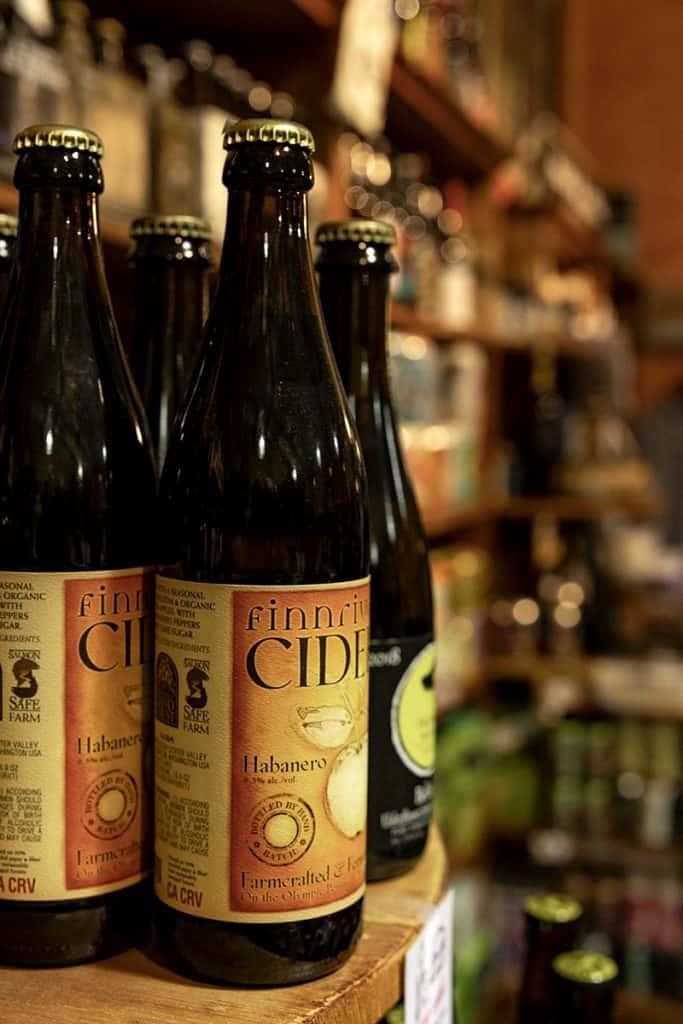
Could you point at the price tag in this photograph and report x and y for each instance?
(365, 55)
(428, 973)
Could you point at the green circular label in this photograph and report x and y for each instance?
(413, 714)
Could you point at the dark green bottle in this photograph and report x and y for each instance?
(77, 546)
(354, 265)
(171, 259)
(552, 922)
(8, 240)
(262, 610)
(585, 987)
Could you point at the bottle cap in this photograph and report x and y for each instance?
(585, 968)
(111, 29)
(371, 231)
(58, 136)
(8, 225)
(267, 129)
(553, 908)
(171, 225)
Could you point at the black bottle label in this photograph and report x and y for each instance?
(402, 742)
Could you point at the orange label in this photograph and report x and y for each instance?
(261, 748)
(75, 659)
(108, 643)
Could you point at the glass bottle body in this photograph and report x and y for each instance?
(354, 299)
(171, 289)
(7, 251)
(263, 487)
(77, 492)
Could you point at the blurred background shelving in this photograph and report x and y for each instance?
(537, 367)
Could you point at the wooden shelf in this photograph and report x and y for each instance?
(560, 506)
(557, 848)
(131, 989)
(219, 20)
(537, 667)
(441, 523)
(422, 114)
(404, 318)
(648, 699)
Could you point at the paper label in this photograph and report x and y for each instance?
(75, 720)
(403, 716)
(261, 749)
(365, 54)
(428, 971)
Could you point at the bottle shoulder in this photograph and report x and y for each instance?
(264, 477)
(399, 556)
(77, 481)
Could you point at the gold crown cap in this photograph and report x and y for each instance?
(58, 136)
(171, 225)
(267, 129)
(356, 230)
(554, 908)
(8, 225)
(585, 968)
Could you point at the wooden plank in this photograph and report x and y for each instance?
(561, 506)
(445, 521)
(404, 318)
(440, 523)
(422, 113)
(132, 989)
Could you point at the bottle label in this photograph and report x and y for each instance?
(261, 749)
(403, 716)
(75, 720)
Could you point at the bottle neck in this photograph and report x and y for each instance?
(59, 228)
(266, 270)
(354, 302)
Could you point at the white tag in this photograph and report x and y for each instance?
(365, 55)
(428, 972)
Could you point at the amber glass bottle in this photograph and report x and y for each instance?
(8, 239)
(585, 987)
(552, 922)
(354, 266)
(171, 259)
(77, 496)
(262, 610)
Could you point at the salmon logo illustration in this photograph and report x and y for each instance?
(26, 685)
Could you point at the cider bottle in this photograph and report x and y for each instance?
(262, 610)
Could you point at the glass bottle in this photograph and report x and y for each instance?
(262, 610)
(8, 241)
(354, 266)
(203, 94)
(174, 168)
(76, 52)
(30, 71)
(551, 928)
(585, 984)
(116, 110)
(77, 494)
(171, 259)
(546, 429)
